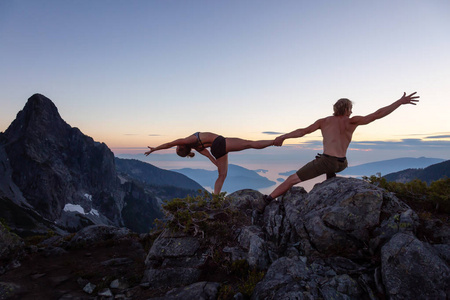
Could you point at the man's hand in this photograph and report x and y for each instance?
(150, 151)
(410, 99)
(278, 141)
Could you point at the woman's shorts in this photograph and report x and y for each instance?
(219, 147)
(323, 164)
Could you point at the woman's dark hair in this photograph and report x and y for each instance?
(184, 151)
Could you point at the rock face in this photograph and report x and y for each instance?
(346, 239)
(427, 274)
(8, 189)
(53, 177)
(54, 164)
(9, 243)
(295, 248)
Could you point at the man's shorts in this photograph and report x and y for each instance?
(323, 164)
(219, 147)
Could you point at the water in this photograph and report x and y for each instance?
(272, 171)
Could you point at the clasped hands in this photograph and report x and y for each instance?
(278, 141)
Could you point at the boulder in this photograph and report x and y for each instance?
(339, 215)
(97, 233)
(285, 279)
(174, 260)
(412, 269)
(199, 291)
(10, 244)
(252, 242)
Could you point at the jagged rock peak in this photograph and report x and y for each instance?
(38, 114)
(40, 108)
(40, 103)
(54, 164)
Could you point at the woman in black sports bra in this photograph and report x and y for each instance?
(219, 146)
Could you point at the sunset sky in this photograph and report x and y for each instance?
(138, 73)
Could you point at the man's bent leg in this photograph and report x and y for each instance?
(285, 186)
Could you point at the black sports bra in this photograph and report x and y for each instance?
(199, 141)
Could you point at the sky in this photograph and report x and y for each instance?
(138, 73)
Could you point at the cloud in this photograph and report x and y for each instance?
(417, 144)
(445, 136)
(130, 148)
(434, 135)
(130, 134)
(410, 144)
(272, 132)
(154, 134)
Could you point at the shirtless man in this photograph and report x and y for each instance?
(337, 131)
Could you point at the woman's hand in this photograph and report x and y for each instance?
(150, 151)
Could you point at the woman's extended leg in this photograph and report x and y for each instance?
(222, 168)
(236, 144)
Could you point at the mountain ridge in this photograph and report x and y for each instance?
(390, 165)
(428, 174)
(238, 178)
(385, 166)
(143, 171)
(59, 179)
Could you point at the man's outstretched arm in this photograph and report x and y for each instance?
(384, 111)
(298, 132)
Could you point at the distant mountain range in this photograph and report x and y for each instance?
(389, 166)
(154, 176)
(238, 178)
(428, 174)
(385, 166)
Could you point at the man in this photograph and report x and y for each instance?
(337, 131)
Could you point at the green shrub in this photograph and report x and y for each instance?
(204, 214)
(417, 194)
(249, 283)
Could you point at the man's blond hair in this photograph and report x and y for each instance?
(342, 106)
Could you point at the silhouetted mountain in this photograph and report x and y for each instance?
(57, 178)
(54, 164)
(389, 166)
(238, 178)
(154, 176)
(428, 174)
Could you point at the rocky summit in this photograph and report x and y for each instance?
(346, 239)
(54, 164)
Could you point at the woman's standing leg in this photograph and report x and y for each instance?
(222, 168)
(236, 144)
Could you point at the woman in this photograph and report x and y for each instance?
(220, 147)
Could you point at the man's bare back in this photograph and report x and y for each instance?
(337, 134)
